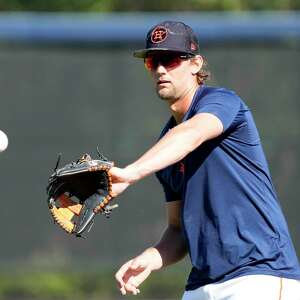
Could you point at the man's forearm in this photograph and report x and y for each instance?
(170, 249)
(176, 144)
(173, 147)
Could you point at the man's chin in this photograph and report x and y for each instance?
(164, 95)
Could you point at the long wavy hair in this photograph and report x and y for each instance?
(204, 73)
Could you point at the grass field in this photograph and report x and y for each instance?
(15, 285)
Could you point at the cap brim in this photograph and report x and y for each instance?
(142, 53)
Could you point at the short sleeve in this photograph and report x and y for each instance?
(222, 103)
(170, 195)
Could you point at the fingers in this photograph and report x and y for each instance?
(131, 286)
(116, 173)
(128, 175)
(131, 275)
(118, 188)
(120, 274)
(135, 281)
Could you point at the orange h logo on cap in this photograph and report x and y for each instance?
(159, 34)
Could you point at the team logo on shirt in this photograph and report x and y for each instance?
(159, 34)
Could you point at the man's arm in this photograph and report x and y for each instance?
(172, 246)
(170, 249)
(178, 143)
(171, 148)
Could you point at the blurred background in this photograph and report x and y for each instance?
(69, 83)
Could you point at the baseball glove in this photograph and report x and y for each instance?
(78, 191)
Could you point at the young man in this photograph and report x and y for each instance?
(221, 204)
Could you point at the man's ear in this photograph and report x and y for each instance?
(197, 63)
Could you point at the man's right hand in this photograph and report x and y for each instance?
(135, 271)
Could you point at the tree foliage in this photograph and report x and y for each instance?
(147, 5)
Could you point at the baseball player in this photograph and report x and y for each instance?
(221, 204)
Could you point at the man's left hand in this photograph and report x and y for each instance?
(122, 178)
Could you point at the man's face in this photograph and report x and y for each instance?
(172, 74)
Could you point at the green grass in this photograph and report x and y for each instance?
(64, 285)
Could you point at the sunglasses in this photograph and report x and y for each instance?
(168, 61)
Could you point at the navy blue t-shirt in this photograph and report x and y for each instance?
(232, 220)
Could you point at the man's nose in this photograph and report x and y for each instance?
(160, 69)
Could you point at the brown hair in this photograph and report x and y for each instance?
(204, 73)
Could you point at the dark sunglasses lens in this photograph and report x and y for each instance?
(171, 61)
(168, 61)
(150, 63)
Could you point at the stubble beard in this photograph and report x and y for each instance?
(166, 94)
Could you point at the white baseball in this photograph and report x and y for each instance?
(3, 141)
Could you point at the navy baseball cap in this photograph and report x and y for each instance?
(170, 36)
